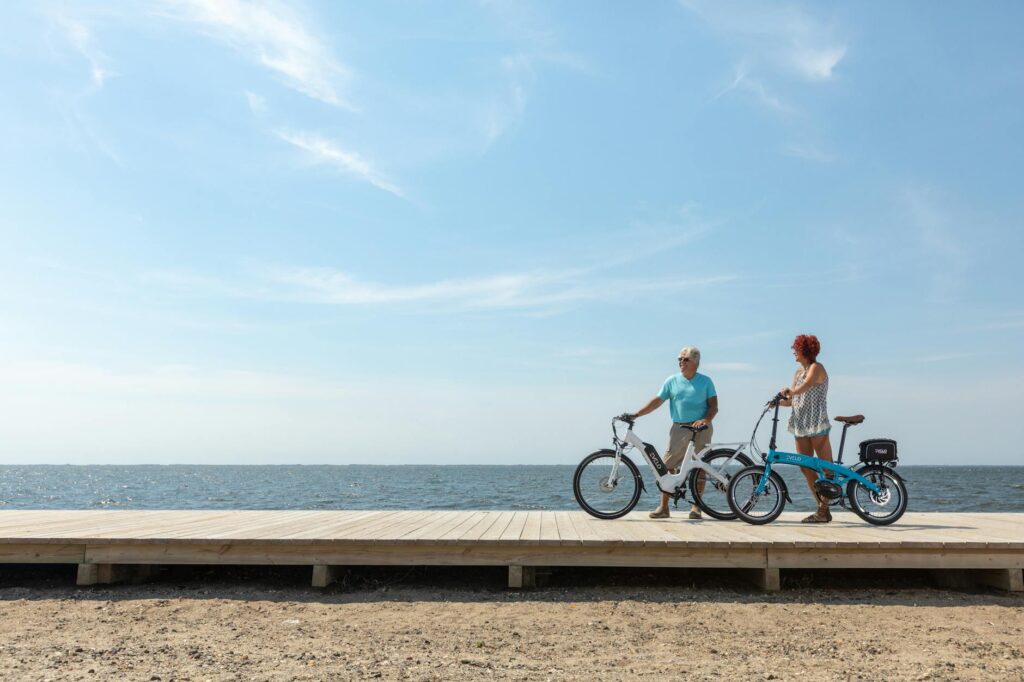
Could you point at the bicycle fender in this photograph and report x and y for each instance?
(782, 484)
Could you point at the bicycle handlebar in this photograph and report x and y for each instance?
(630, 419)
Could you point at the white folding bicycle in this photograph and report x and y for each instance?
(607, 483)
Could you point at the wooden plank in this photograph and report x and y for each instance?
(453, 535)
(549, 529)
(335, 525)
(473, 533)
(40, 553)
(494, 533)
(422, 554)
(892, 558)
(514, 528)
(531, 528)
(388, 527)
(566, 531)
(584, 532)
(439, 524)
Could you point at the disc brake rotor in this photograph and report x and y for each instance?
(606, 484)
(882, 497)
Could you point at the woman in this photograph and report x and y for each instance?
(809, 422)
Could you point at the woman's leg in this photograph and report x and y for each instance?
(804, 447)
(823, 451)
(822, 447)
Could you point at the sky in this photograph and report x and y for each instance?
(383, 232)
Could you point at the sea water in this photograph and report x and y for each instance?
(525, 487)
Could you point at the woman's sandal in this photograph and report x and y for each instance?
(817, 518)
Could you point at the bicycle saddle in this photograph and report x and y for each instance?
(855, 419)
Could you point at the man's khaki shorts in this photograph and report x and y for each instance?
(679, 438)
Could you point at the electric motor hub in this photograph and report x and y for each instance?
(828, 489)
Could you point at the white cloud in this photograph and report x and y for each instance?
(81, 38)
(323, 150)
(257, 103)
(743, 81)
(517, 290)
(538, 291)
(808, 153)
(943, 357)
(782, 38)
(274, 36)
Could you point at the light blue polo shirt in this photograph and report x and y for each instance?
(688, 398)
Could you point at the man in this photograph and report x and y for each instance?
(693, 402)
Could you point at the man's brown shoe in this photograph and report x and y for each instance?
(659, 514)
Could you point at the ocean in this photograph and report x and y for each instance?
(525, 487)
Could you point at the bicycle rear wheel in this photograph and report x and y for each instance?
(710, 494)
(881, 508)
(602, 494)
(750, 506)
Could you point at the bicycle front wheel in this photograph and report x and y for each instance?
(710, 494)
(751, 506)
(883, 507)
(604, 490)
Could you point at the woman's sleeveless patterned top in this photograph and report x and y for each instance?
(810, 412)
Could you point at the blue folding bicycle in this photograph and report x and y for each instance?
(875, 492)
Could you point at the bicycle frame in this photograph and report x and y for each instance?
(666, 481)
(842, 474)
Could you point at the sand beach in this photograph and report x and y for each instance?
(445, 625)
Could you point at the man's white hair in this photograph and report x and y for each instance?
(691, 352)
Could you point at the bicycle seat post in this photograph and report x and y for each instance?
(842, 443)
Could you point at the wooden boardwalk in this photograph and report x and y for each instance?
(991, 546)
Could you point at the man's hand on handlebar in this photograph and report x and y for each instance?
(701, 424)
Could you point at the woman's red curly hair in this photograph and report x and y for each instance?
(808, 346)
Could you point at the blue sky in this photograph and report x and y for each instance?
(402, 232)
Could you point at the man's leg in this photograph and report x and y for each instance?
(677, 441)
(700, 441)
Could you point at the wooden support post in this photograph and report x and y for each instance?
(324, 575)
(522, 576)
(88, 574)
(1009, 579)
(766, 579)
(108, 574)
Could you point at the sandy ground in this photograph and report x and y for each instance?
(225, 627)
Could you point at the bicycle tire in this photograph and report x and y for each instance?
(740, 485)
(588, 479)
(707, 502)
(890, 482)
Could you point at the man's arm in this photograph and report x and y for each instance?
(654, 404)
(710, 414)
